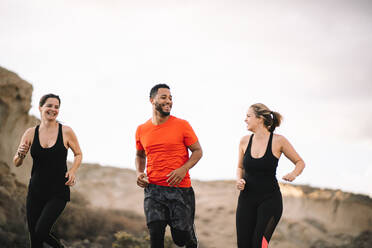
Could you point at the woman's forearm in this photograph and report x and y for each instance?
(300, 165)
(239, 173)
(77, 162)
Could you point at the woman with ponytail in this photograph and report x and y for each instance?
(260, 201)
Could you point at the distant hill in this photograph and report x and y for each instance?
(312, 217)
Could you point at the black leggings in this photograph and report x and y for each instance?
(41, 216)
(256, 218)
(157, 231)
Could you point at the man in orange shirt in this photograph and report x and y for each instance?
(163, 142)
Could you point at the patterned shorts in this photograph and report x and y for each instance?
(175, 205)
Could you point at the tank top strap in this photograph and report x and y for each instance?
(249, 144)
(269, 145)
(36, 135)
(60, 134)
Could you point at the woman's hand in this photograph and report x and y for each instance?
(290, 177)
(24, 146)
(240, 184)
(71, 178)
(23, 149)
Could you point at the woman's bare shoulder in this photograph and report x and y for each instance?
(279, 138)
(280, 141)
(30, 132)
(28, 135)
(67, 130)
(245, 139)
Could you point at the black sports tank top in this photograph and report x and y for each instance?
(260, 173)
(49, 169)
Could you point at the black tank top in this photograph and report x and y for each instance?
(260, 173)
(49, 169)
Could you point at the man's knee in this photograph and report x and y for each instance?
(179, 237)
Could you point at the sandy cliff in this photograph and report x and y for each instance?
(15, 103)
(312, 217)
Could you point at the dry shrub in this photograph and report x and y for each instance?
(126, 240)
(79, 221)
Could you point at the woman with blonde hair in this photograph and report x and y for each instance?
(260, 201)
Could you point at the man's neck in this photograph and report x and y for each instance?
(158, 119)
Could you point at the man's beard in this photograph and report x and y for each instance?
(158, 108)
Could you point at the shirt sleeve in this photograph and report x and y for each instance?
(139, 146)
(189, 136)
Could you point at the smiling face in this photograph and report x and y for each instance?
(252, 121)
(162, 102)
(50, 109)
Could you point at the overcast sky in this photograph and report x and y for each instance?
(309, 60)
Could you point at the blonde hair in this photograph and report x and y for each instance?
(271, 119)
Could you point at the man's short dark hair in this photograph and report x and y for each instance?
(155, 89)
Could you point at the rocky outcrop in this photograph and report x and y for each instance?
(322, 217)
(328, 211)
(15, 103)
(13, 230)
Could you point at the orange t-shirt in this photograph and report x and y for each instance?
(166, 149)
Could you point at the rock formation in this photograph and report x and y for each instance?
(15, 103)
